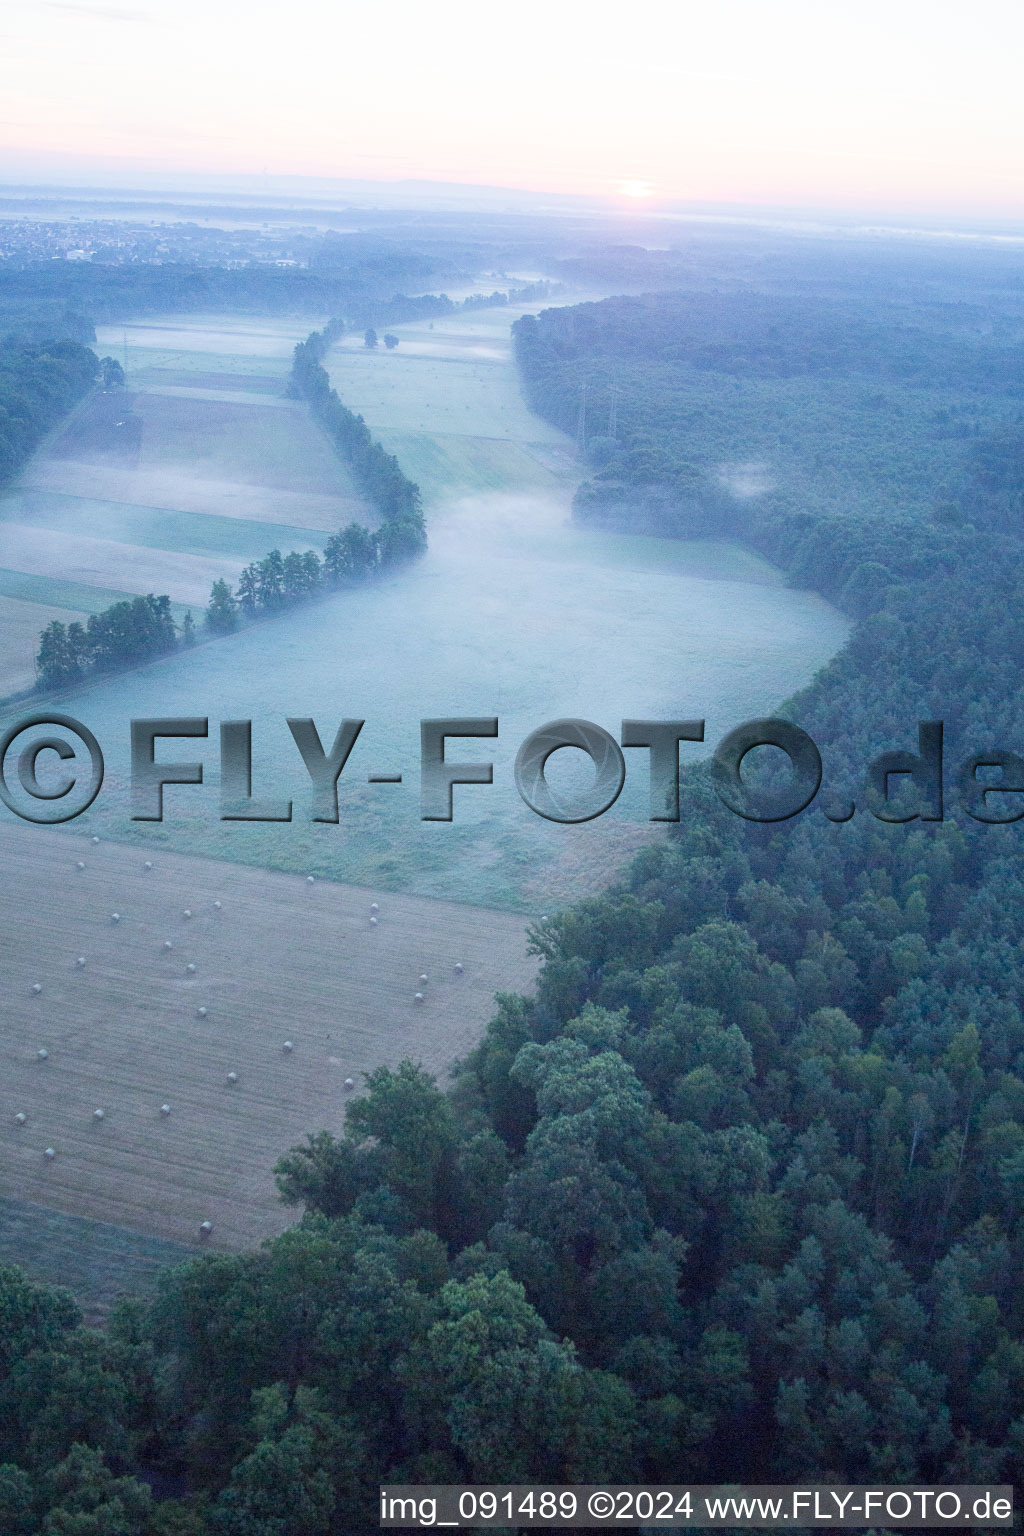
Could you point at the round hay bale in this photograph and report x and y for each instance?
(458, 967)
(349, 1082)
(115, 917)
(205, 1228)
(80, 865)
(201, 1012)
(190, 969)
(374, 906)
(187, 912)
(373, 922)
(165, 1109)
(216, 906)
(50, 1154)
(310, 879)
(423, 979)
(37, 986)
(418, 997)
(168, 944)
(98, 1114)
(232, 1077)
(95, 839)
(80, 961)
(148, 864)
(288, 1047)
(20, 1117)
(544, 917)
(42, 1054)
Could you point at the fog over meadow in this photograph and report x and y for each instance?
(513, 612)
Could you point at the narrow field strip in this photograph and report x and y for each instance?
(246, 382)
(101, 562)
(56, 592)
(155, 527)
(230, 396)
(171, 490)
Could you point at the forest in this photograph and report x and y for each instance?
(39, 384)
(738, 1194)
(361, 278)
(44, 298)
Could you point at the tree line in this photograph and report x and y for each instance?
(403, 308)
(39, 384)
(354, 553)
(128, 632)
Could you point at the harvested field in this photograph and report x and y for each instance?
(281, 960)
(109, 563)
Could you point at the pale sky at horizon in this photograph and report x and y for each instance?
(911, 104)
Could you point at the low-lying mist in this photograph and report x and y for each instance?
(513, 612)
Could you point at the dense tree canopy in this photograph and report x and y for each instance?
(39, 383)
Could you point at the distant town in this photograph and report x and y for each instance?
(152, 243)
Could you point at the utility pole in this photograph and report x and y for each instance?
(581, 424)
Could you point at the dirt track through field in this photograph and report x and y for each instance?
(281, 960)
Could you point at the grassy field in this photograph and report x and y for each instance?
(239, 538)
(280, 960)
(446, 401)
(99, 1262)
(225, 469)
(56, 591)
(275, 445)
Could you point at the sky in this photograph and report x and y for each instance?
(907, 106)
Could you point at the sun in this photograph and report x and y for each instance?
(636, 189)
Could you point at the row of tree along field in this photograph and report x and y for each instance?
(355, 553)
(737, 1196)
(139, 630)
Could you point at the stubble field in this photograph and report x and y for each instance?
(282, 959)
